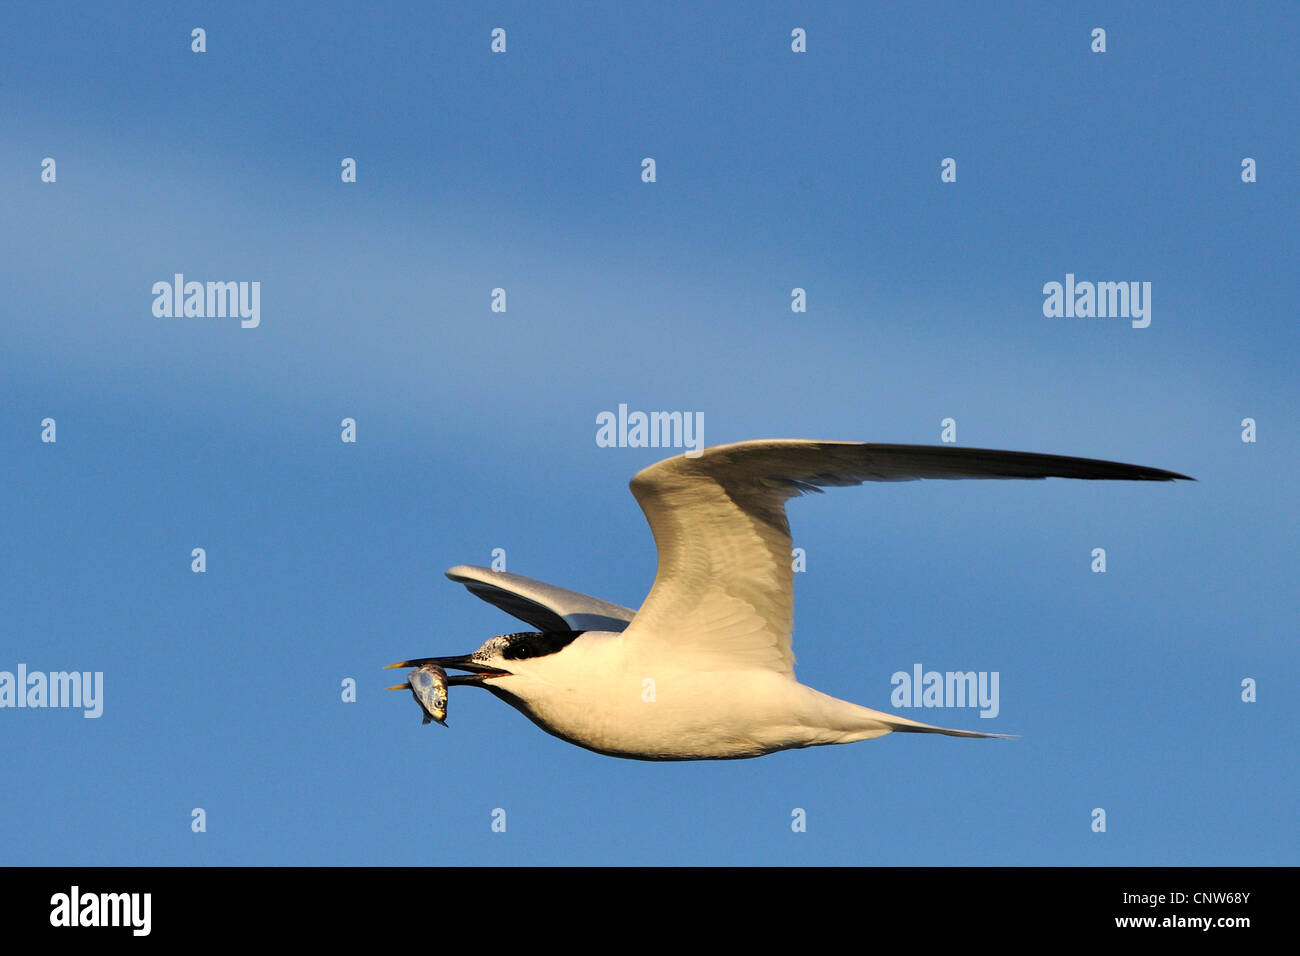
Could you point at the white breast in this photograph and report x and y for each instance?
(597, 695)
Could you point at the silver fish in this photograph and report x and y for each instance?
(429, 685)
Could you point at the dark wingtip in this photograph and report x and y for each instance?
(1137, 472)
(1117, 470)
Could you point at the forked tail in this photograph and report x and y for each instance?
(853, 722)
(905, 726)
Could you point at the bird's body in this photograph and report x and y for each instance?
(598, 695)
(705, 669)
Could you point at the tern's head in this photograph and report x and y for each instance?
(525, 652)
(507, 662)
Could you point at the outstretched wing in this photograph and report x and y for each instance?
(544, 606)
(723, 595)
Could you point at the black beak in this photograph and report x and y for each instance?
(480, 672)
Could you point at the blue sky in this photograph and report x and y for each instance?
(476, 430)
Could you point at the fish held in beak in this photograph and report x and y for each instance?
(428, 684)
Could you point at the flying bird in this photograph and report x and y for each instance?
(705, 670)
